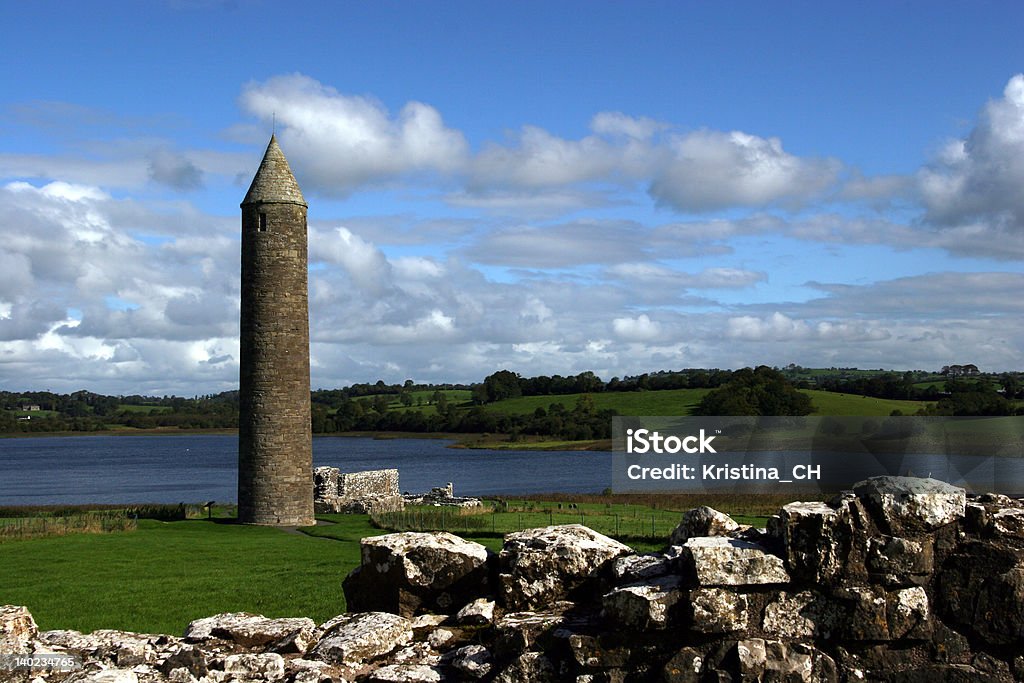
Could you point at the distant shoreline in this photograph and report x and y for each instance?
(459, 440)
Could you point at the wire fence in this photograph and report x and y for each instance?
(649, 526)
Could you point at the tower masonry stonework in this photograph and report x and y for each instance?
(275, 459)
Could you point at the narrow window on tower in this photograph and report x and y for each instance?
(262, 227)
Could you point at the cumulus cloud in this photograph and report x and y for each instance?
(342, 141)
(978, 179)
(365, 265)
(640, 328)
(71, 269)
(709, 170)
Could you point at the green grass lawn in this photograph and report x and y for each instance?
(165, 574)
(829, 403)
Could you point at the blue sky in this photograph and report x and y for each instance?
(548, 187)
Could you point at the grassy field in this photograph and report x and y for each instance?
(683, 401)
(829, 403)
(164, 574)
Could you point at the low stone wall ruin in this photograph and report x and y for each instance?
(901, 580)
(441, 495)
(367, 492)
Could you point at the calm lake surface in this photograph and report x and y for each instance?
(198, 468)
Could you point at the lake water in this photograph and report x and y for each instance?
(198, 468)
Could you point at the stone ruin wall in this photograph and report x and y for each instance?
(899, 581)
(360, 492)
(369, 483)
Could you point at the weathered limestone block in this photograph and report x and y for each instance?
(718, 561)
(909, 504)
(250, 630)
(1008, 522)
(590, 652)
(644, 606)
(761, 659)
(122, 648)
(474, 661)
(539, 566)
(518, 632)
(439, 639)
(261, 667)
(899, 561)
(982, 587)
(702, 521)
(408, 572)
(529, 667)
(477, 613)
(816, 538)
(718, 610)
(420, 652)
(807, 614)
(685, 666)
(309, 671)
(357, 638)
(189, 658)
(874, 614)
(636, 568)
(17, 628)
(406, 673)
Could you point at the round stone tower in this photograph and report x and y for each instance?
(275, 452)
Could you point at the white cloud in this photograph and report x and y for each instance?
(361, 260)
(613, 123)
(979, 179)
(536, 158)
(776, 327)
(640, 328)
(708, 170)
(343, 141)
(340, 142)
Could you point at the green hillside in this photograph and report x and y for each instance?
(667, 402)
(829, 403)
(682, 402)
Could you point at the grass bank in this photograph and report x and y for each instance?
(164, 574)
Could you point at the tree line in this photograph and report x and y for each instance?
(962, 390)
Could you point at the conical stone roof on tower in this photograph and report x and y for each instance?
(274, 181)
